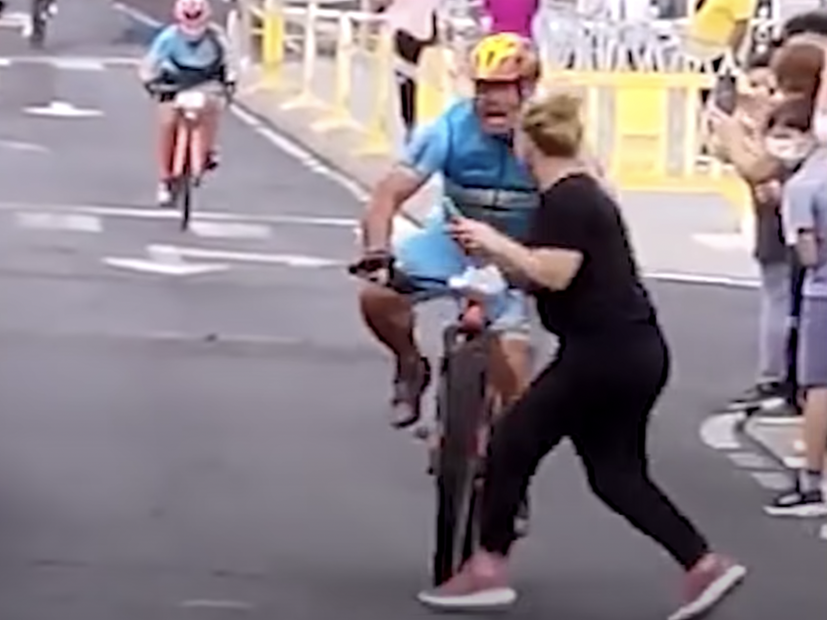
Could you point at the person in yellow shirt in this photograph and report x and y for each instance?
(720, 27)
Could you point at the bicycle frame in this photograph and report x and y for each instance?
(189, 153)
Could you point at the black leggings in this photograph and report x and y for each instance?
(600, 397)
(410, 49)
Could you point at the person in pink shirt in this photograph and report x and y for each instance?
(512, 16)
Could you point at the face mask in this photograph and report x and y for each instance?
(790, 151)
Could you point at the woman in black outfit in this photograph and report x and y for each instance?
(611, 367)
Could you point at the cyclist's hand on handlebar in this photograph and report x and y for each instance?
(374, 266)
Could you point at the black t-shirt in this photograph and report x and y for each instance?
(606, 298)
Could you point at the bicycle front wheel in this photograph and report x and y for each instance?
(462, 410)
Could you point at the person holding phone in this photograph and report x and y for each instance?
(739, 139)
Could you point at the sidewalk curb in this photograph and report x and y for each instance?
(291, 133)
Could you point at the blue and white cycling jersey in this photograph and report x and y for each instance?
(181, 59)
(483, 180)
(481, 176)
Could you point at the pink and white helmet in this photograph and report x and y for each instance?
(192, 16)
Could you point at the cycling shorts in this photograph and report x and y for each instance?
(429, 257)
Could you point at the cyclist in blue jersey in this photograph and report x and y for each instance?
(190, 53)
(470, 147)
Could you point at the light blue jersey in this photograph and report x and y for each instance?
(174, 55)
(483, 180)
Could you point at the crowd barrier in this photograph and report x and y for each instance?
(641, 99)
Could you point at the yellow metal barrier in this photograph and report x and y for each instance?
(378, 139)
(272, 42)
(340, 116)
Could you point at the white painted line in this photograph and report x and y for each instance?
(772, 480)
(106, 61)
(823, 533)
(289, 260)
(718, 432)
(62, 109)
(230, 230)
(709, 280)
(78, 64)
(217, 604)
(15, 145)
(795, 462)
(162, 268)
(750, 460)
(154, 213)
(777, 421)
(57, 221)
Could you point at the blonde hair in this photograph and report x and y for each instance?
(553, 123)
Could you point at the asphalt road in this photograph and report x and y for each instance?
(212, 446)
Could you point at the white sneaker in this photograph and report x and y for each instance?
(52, 10)
(163, 196)
(27, 29)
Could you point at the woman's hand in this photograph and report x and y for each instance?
(475, 236)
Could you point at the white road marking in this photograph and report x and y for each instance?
(16, 145)
(58, 221)
(230, 230)
(772, 480)
(718, 432)
(70, 61)
(162, 268)
(795, 462)
(63, 109)
(289, 260)
(750, 460)
(78, 64)
(823, 533)
(154, 213)
(777, 421)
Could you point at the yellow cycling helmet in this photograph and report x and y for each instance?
(504, 57)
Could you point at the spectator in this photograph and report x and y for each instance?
(719, 28)
(804, 209)
(740, 141)
(415, 29)
(515, 16)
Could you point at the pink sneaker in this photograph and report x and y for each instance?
(707, 584)
(481, 584)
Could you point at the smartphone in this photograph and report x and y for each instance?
(725, 93)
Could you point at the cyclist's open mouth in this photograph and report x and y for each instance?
(496, 119)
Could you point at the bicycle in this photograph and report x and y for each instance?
(464, 412)
(189, 153)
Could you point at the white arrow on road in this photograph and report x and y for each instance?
(164, 262)
(63, 109)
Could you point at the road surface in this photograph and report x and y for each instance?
(212, 446)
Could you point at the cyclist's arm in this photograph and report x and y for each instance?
(425, 156)
(150, 66)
